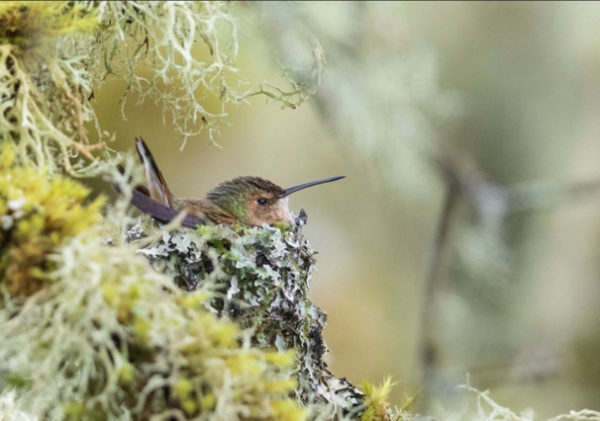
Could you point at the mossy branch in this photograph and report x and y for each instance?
(83, 309)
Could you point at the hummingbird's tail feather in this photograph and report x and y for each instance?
(157, 186)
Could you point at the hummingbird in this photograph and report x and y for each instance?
(247, 201)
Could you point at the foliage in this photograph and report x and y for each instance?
(376, 406)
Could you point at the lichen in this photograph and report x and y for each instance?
(192, 48)
(260, 278)
(44, 85)
(54, 55)
(164, 39)
(479, 406)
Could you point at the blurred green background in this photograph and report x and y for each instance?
(513, 87)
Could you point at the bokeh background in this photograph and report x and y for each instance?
(512, 92)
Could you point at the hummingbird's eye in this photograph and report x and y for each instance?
(262, 201)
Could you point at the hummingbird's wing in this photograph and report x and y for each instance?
(157, 186)
(207, 211)
(157, 210)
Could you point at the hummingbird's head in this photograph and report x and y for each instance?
(252, 201)
(255, 201)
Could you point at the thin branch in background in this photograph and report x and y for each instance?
(433, 290)
(492, 203)
(539, 194)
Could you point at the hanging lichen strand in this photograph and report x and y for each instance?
(44, 84)
(54, 55)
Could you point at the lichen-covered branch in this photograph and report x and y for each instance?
(122, 341)
(260, 278)
(227, 331)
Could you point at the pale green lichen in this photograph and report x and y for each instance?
(53, 55)
(260, 278)
(44, 85)
(155, 47)
(484, 408)
(189, 47)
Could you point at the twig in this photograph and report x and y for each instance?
(434, 284)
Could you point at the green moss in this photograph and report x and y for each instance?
(208, 402)
(375, 401)
(38, 215)
(32, 26)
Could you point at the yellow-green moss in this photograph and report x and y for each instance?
(34, 25)
(37, 215)
(375, 400)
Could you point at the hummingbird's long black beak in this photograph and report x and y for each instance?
(290, 190)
